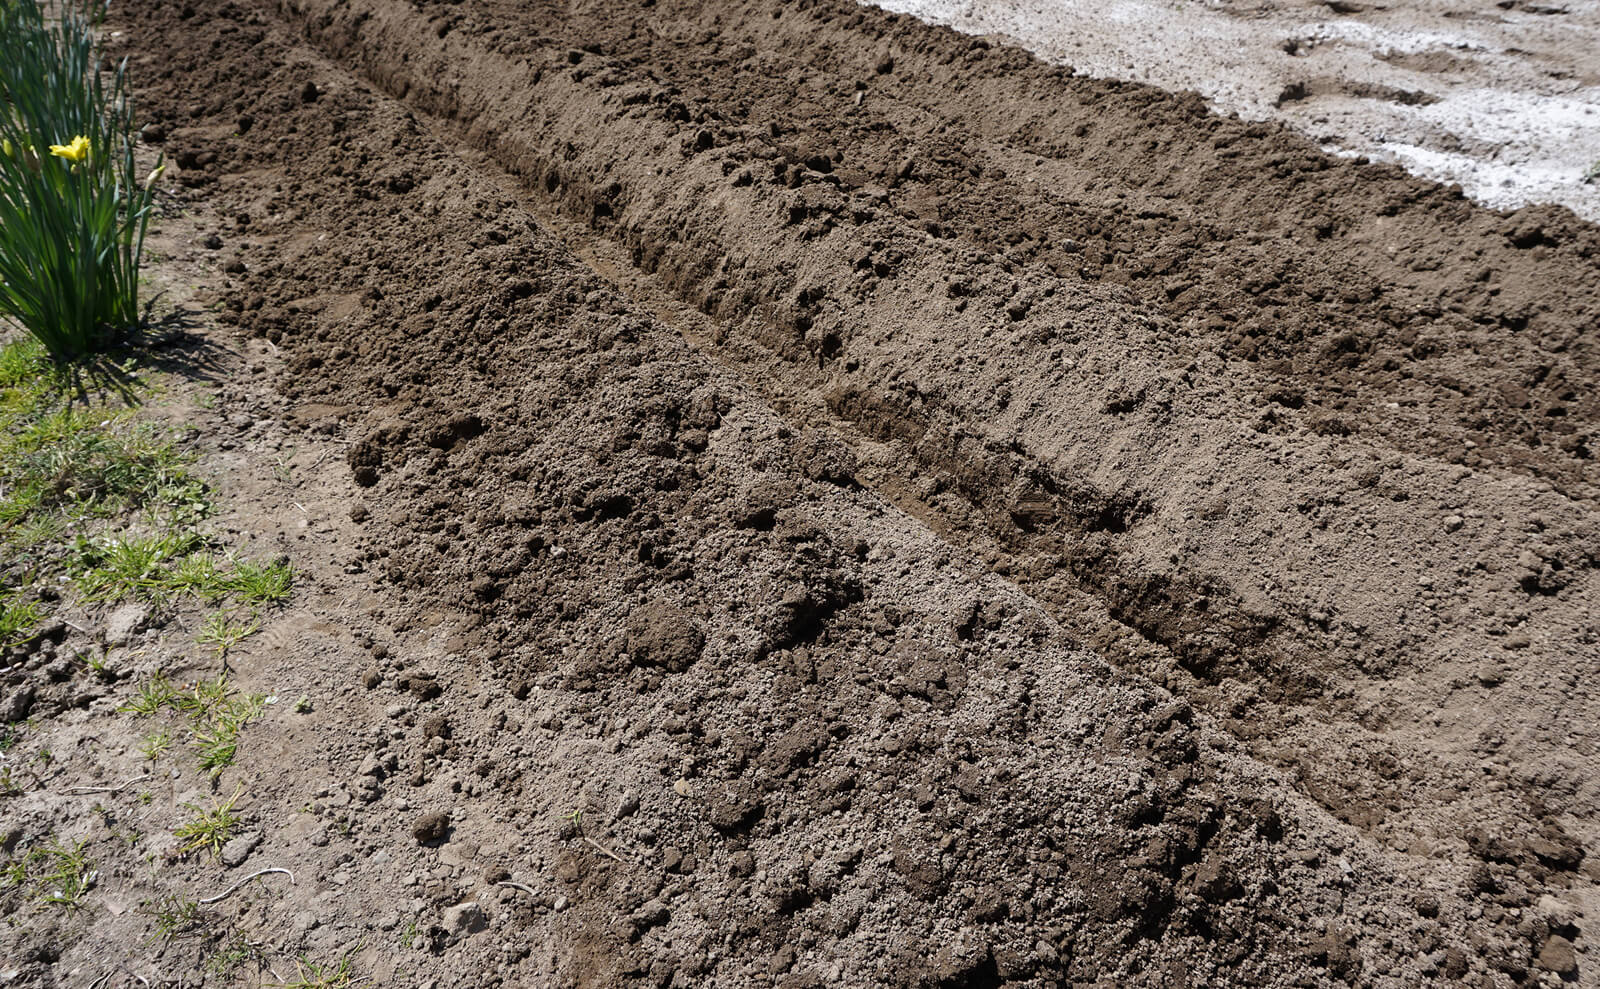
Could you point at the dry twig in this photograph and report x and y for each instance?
(238, 885)
(107, 789)
(603, 850)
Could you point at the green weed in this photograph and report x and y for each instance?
(220, 631)
(174, 916)
(171, 565)
(21, 363)
(101, 669)
(311, 975)
(58, 875)
(142, 566)
(151, 696)
(202, 697)
(155, 745)
(234, 955)
(210, 829)
(216, 715)
(215, 738)
(18, 618)
(257, 583)
(94, 462)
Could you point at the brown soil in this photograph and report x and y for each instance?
(941, 521)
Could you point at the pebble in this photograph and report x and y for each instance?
(782, 960)
(431, 827)
(125, 622)
(18, 704)
(629, 804)
(1558, 956)
(238, 849)
(464, 919)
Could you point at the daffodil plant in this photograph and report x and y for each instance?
(73, 210)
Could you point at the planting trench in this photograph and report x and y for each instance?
(791, 411)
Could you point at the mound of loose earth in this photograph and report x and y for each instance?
(760, 577)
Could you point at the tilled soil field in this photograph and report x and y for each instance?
(886, 511)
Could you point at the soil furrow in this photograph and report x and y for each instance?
(846, 754)
(1102, 440)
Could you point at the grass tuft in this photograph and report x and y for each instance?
(143, 566)
(58, 875)
(234, 955)
(174, 916)
(155, 745)
(312, 975)
(170, 565)
(222, 632)
(209, 830)
(151, 696)
(217, 715)
(18, 618)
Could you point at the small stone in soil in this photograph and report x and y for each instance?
(464, 919)
(125, 622)
(238, 849)
(17, 704)
(628, 804)
(431, 827)
(1558, 956)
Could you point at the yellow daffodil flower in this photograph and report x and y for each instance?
(78, 150)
